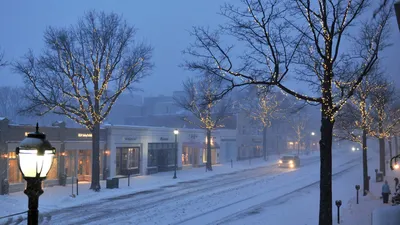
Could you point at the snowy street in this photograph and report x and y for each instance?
(216, 200)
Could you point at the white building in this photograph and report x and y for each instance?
(146, 150)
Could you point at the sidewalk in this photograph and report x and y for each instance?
(361, 214)
(59, 197)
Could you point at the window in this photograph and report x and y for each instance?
(127, 158)
(161, 154)
(14, 174)
(152, 158)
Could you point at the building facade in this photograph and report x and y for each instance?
(73, 152)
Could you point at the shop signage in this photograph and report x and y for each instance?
(163, 139)
(129, 138)
(193, 136)
(81, 135)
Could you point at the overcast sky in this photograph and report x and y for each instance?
(162, 23)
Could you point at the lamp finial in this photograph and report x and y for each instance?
(37, 127)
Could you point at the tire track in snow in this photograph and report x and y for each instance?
(229, 217)
(100, 210)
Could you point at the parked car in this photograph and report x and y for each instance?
(289, 161)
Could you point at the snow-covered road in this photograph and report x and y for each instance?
(201, 201)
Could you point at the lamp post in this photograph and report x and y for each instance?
(35, 157)
(312, 141)
(176, 132)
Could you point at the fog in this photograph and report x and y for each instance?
(163, 24)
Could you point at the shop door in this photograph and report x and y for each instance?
(84, 165)
(196, 156)
(162, 160)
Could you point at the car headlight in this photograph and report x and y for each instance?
(290, 161)
(280, 161)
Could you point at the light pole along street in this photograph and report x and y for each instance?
(393, 161)
(35, 157)
(176, 132)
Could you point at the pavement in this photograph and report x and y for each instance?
(361, 214)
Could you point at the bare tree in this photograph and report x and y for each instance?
(355, 121)
(298, 122)
(2, 61)
(209, 113)
(82, 72)
(267, 30)
(386, 117)
(12, 101)
(261, 106)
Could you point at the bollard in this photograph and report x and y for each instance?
(129, 180)
(338, 204)
(357, 189)
(77, 190)
(231, 163)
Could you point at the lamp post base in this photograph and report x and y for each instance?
(33, 191)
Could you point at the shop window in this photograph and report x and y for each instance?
(161, 154)
(127, 158)
(52, 175)
(70, 163)
(187, 156)
(152, 158)
(14, 174)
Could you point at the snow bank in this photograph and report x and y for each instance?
(386, 216)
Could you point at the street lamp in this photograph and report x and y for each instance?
(176, 132)
(35, 157)
(312, 133)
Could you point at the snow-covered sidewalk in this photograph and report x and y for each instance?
(58, 197)
(361, 214)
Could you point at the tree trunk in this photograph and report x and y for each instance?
(365, 162)
(325, 200)
(95, 157)
(265, 143)
(208, 164)
(298, 148)
(396, 146)
(390, 147)
(382, 166)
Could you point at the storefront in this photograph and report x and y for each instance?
(127, 160)
(73, 152)
(161, 156)
(126, 150)
(192, 147)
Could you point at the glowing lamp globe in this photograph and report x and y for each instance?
(35, 155)
(176, 131)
